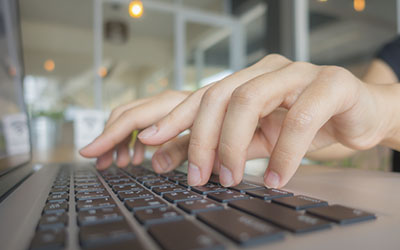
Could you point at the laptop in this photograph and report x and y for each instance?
(71, 205)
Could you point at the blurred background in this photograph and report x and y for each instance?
(85, 57)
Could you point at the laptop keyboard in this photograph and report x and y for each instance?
(175, 215)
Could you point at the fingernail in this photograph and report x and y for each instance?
(272, 180)
(225, 176)
(156, 164)
(148, 132)
(164, 161)
(98, 164)
(193, 175)
(168, 161)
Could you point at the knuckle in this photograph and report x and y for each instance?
(196, 144)
(129, 116)
(335, 72)
(274, 57)
(211, 96)
(225, 149)
(244, 95)
(127, 113)
(300, 66)
(116, 112)
(181, 94)
(169, 93)
(299, 120)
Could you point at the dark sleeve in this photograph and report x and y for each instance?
(390, 53)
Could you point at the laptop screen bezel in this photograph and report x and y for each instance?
(11, 162)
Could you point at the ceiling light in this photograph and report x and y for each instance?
(136, 9)
(359, 5)
(49, 65)
(102, 72)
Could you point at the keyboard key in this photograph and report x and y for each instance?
(240, 227)
(112, 171)
(177, 179)
(228, 195)
(120, 182)
(92, 195)
(138, 194)
(244, 186)
(107, 233)
(299, 202)
(97, 216)
(143, 174)
(55, 207)
(181, 196)
(49, 239)
(139, 204)
(214, 179)
(60, 186)
(168, 189)
(86, 180)
(90, 189)
(58, 197)
(183, 183)
(127, 187)
(88, 184)
(121, 245)
(61, 183)
(197, 206)
(341, 214)
(148, 178)
(94, 204)
(183, 235)
(59, 190)
(152, 184)
(96, 186)
(279, 215)
(208, 188)
(268, 193)
(117, 177)
(53, 221)
(158, 215)
(110, 175)
(173, 174)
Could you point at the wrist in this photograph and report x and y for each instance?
(388, 96)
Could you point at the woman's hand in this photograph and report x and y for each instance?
(136, 115)
(275, 108)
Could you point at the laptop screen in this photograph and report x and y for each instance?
(14, 133)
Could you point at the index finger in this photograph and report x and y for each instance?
(138, 117)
